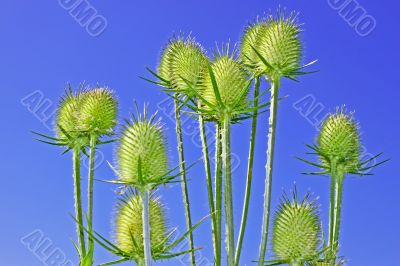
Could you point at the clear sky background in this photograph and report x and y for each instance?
(43, 47)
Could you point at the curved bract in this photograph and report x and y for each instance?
(98, 112)
(182, 63)
(228, 96)
(142, 156)
(339, 140)
(129, 227)
(276, 40)
(296, 230)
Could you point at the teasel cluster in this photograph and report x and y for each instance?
(338, 148)
(272, 48)
(222, 89)
(83, 119)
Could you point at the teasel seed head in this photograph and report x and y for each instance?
(142, 155)
(182, 63)
(129, 226)
(98, 112)
(250, 40)
(231, 80)
(277, 40)
(296, 229)
(339, 140)
(68, 115)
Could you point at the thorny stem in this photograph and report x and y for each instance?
(249, 174)
(218, 186)
(337, 212)
(207, 169)
(228, 204)
(146, 226)
(182, 169)
(269, 166)
(92, 156)
(76, 160)
(332, 209)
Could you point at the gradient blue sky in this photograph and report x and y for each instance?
(42, 48)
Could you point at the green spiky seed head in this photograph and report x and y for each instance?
(339, 140)
(142, 152)
(98, 112)
(296, 229)
(68, 115)
(277, 41)
(182, 63)
(231, 79)
(129, 226)
(251, 39)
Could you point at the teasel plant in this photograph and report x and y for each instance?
(223, 99)
(142, 167)
(272, 48)
(83, 119)
(182, 64)
(338, 147)
(296, 235)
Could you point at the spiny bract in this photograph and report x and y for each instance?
(129, 226)
(296, 230)
(67, 116)
(232, 84)
(339, 140)
(142, 150)
(98, 113)
(277, 41)
(182, 63)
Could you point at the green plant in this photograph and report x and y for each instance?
(213, 91)
(272, 48)
(338, 148)
(223, 97)
(296, 231)
(181, 65)
(82, 119)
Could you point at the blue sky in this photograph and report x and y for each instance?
(43, 47)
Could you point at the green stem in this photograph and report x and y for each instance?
(144, 194)
(332, 204)
(249, 177)
(218, 186)
(338, 209)
(228, 204)
(182, 169)
(269, 166)
(76, 160)
(92, 156)
(207, 169)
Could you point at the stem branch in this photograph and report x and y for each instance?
(182, 169)
(207, 169)
(269, 166)
(249, 177)
(226, 161)
(76, 160)
(146, 226)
